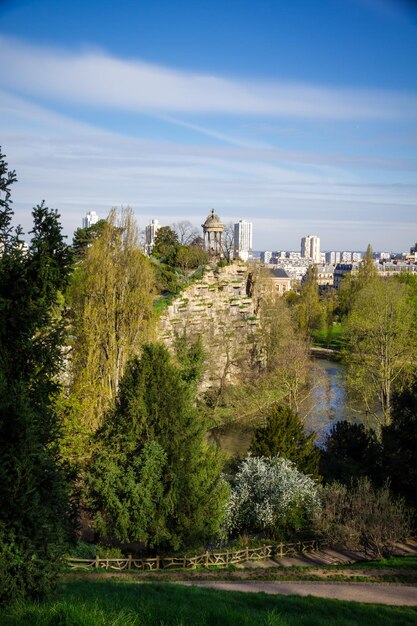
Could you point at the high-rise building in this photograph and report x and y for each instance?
(310, 248)
(332, 257)
(150, 234)
(266, 256)
(90, 219)
(243, 240)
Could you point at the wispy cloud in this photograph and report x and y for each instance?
(96, 78)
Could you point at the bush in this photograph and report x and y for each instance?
(270, 496)
(362, 517)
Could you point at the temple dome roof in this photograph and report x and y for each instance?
(213, 221)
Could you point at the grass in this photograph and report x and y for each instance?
(122, 604)
(394, 562)
(336, 341)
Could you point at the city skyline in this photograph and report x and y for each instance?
(298, 118)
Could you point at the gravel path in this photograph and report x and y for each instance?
(391, 594)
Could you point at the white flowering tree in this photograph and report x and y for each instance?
(271, 496)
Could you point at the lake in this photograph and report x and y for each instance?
(326, 405)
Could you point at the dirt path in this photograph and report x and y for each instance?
(391, 594)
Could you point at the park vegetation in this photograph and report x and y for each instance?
(101, 423)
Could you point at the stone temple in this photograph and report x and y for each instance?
(212, 234)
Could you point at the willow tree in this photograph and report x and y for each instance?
(111, 298)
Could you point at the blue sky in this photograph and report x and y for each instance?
(300, 116)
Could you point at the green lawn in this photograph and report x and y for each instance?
(336, 340)
(108, 603)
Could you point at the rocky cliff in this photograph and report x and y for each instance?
(220, 309)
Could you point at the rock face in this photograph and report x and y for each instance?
(218, 308)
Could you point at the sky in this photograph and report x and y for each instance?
(299, 116)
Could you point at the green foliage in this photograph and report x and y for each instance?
(153, 478)
(284, 435)
(400, 444)
(350, 451)
(190, 356)
(191, 257)
(166, 246)
(84, 237)
(111, 297)
(367, 272)
(34, 510)
(309, 308)
(380, 345)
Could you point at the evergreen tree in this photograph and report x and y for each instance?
(154, 478)
(284, 435)
(367, 271)
(400, 444)
(310, 311)
(84, 237)
(34, 511)
(350, 451)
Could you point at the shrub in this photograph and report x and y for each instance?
(271, 496)
(363, 516)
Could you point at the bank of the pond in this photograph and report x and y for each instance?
(326, 405)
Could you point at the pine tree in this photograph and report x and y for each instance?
(153, 458)
(284, 434)
(34, 511)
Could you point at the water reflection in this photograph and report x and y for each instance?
(325, 405)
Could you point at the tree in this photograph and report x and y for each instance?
(310, 313)
(166, 246)
(186, 232)
(284, 352)
(270, 495)
(154, 478)
(399, 441)
(84, 237)
(283, 434)
(367, 272)
(34, 509)
(380, 347)
(111, 299)
(228, 241)
(349, 452)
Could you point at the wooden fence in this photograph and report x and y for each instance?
(221, 559)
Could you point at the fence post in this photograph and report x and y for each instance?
(185, 563)
(281, 550)
(207, 558)
(97, 564)
(227, 557)
(247, 553)
(129, 562)
(157, 562)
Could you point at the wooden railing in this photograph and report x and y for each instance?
(208, 559)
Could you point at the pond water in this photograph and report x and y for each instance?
(326, 405)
